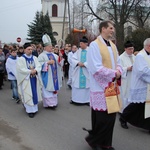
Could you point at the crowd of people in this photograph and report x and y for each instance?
(36, 73)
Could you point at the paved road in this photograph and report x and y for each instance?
(59, 129)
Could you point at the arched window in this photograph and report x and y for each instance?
(55, 33)
(54, 10)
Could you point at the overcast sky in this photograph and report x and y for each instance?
(14, 17)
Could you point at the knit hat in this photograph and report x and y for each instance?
(46, 40)
(84, 39)
(26, 45)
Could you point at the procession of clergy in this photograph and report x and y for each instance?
(91, 71)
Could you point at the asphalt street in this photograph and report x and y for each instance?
(59, 129)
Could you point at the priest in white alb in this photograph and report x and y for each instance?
(104, 67)
(126, 59)
(80, 75)
(70, 54)
(137, 112)
(29, 80)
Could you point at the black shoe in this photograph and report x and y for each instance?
(53, 107)
(69, 86)
(88, 104)
(94, 148)
(1, 88)
(110, 148)
(31, 115)
(98, 148)
(17, 100)
(123, 123)
(77, 104)
(71, 102)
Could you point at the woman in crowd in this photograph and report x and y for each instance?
(20, 51)
(2, 67)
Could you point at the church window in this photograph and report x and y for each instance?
(54, 10)
(55, 33)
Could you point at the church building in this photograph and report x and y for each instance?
(55, 9)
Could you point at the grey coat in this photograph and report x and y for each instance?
(2, 63)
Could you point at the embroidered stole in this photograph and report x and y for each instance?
(54, 71)
(147, 103)
(106, 59)
(33, 81)
(82, 78)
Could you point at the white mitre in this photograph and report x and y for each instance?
(46, 40)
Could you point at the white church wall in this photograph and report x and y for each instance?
(57, 22)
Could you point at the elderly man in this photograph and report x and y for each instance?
(51, 73)
(137, 112)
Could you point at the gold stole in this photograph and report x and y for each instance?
(147, 103)
(106, 60)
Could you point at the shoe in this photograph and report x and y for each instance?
(71, 102)
(98, 148)
(1, 88)
(105, 148)
(88, 104)
(31, 115)
(69, 86)
(77, 104)
(17, 100)
(123, 124)
(12, 98)
(53, 107)
(94, 148)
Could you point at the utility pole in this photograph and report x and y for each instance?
(73, 13)
(69, 17)
(64, 20)
(82, 14)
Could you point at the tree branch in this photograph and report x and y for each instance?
(88, 4)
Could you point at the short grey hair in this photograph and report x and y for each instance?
(146, 42)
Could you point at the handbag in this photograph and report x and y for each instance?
(112, 98)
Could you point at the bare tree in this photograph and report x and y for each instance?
(120, 11)
(142, 13)
(80, 15)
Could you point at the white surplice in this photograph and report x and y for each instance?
(126, 61)
(100, 76)
(140, 79)
(11, 68)
(79, 95)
